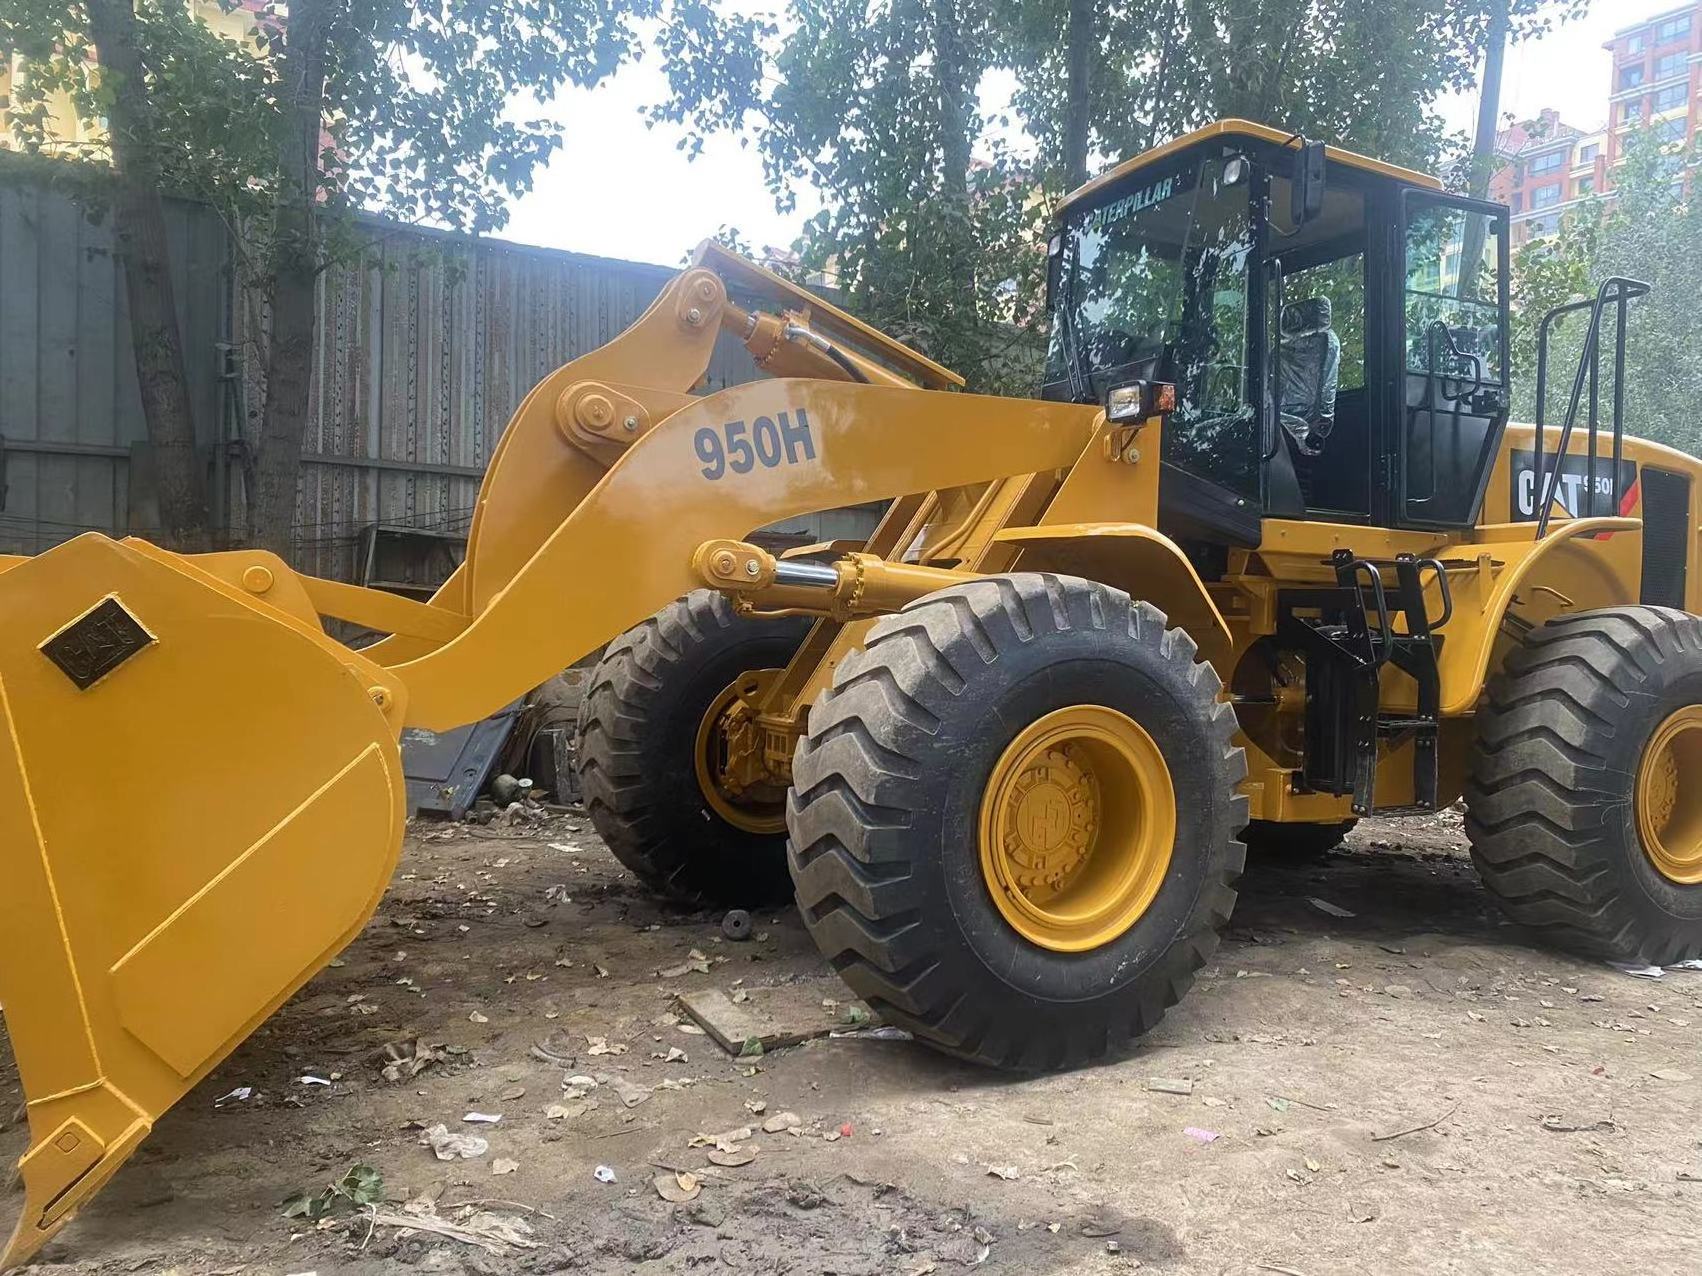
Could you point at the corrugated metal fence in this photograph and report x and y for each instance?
(423, 355)
(72, 438)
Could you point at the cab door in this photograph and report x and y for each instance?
(1452, 394)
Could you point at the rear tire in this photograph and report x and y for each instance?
(638, 734)
(1279, 840)
(886, 808)
(1559, 775)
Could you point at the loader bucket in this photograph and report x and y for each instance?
(201, 802)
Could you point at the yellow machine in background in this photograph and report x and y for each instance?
(1265, 557)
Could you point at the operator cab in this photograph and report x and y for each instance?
(1335, 330)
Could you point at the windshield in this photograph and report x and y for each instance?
(1152, 283)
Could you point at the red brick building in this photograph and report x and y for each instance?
(1657, 69)
(1549, 167)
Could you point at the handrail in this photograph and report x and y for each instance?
(1543, 331)
(1270, 382)
(1620, 292)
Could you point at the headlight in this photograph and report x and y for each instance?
(1139, 400)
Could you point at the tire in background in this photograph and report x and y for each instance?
(885, 815)
(638, 735)
(1575, 739)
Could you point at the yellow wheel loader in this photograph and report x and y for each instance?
(1264, 557)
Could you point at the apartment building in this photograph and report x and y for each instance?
(1657, 66)
(1549, 167)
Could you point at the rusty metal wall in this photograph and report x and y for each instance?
(72, 436)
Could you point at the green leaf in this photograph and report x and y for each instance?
(362, 1184)
(301, 1205)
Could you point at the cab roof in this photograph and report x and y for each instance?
(1229, 129)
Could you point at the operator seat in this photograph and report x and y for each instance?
(1308, 375)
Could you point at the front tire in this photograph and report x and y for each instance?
(1585, 803)
(982, 843)
(641, 728)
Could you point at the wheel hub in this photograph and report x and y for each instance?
(1053, 812)
(1669, 815)
(1077, 824)
(729, 760)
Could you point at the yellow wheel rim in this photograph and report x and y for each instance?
(1669, 798)
(1076, 828)
(759, 809)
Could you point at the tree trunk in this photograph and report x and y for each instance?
(139, 228)
(954, 102)
(294, 271)
(1160, 78)
(1078, 106)
(955, 85)
(1271, 85)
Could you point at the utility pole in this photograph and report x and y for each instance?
(1489, 100)
(1483, 151)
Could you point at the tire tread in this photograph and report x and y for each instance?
(848, 805)
(1545, 800)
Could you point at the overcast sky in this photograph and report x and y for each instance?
(618, 189)
(1569, 70)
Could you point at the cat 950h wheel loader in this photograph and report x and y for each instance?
(1264, 558)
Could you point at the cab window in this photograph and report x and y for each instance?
(1152, 283)
(1342, 283)
(1454, 339)
(1453, 290)
(1319, 377)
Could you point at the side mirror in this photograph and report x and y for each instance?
(1306, 185)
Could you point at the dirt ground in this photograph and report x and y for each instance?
(1560, 1130)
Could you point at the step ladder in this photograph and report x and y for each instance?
(1346, 634)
